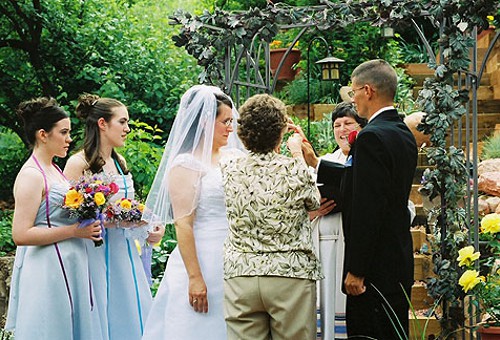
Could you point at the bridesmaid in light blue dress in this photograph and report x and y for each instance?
(51, 295)
(122, 289)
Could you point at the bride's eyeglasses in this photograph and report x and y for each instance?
(227, 122)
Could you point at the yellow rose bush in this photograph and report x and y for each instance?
(481, 276)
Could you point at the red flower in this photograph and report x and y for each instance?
(351, 138)
(114, 187)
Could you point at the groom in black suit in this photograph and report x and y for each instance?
(378, 262)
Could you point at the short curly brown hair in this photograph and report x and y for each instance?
(262, 120)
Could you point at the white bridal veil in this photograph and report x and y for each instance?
(188, 153)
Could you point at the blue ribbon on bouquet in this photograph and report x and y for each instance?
(88, 221)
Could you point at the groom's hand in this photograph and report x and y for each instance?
(354, 285)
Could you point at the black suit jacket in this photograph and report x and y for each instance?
(376, 219)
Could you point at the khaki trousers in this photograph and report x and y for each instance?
(270, 307)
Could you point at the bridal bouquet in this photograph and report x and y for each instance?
(88, 198)
(125, 210)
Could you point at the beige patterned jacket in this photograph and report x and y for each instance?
(267, 199)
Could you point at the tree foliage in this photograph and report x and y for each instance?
(120, 49)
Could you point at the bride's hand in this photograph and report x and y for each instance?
(198, 294)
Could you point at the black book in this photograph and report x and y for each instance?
(329, 182)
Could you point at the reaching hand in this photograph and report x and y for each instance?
(309, 155)
(324, 209)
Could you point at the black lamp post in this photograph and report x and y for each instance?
(329, 72)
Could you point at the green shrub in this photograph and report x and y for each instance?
(491, 147)
(143, 155)
(161, 255)
(12, 156)
(7, 245)
(320, 136)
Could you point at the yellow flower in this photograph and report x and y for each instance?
(275, 44)
(466, 256)
(126, 204)
(97, 182)
(73, 199)
(141, 207)
(99, 198)
(490, 223)
(469, 280)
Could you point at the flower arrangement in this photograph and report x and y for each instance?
(279, 44)
(125, 210)
(484, 283)
(89, 197)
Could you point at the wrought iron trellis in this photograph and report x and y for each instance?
(259, 79)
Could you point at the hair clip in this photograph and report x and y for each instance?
(94, 102)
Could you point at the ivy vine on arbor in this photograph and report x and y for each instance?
(207, 38)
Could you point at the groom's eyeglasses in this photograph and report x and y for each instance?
(353, 91)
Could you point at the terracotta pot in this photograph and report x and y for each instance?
(490, 333)
(287, 72)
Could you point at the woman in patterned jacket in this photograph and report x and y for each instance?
(270, 267)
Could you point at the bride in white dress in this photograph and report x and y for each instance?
(187, 191)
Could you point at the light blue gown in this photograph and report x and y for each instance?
(42, 305)
(122, 290)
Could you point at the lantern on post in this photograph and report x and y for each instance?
(330, 68)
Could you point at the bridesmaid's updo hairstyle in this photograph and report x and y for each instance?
(39, 113)
(91, 108)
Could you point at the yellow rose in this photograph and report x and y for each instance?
(73, 199)
(99, 198)
(466, 256)
(490, 223)
(141, 207)
(469, 280)
(126, 204)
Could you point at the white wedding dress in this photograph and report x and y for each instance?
(171, 316)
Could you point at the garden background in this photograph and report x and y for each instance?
(124, 50)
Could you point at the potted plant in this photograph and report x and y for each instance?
(484, 284)
(289, 70)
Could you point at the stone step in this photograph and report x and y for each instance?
(415, 196)
(419, 297)
(422, 267)
(420, 72)
(484, 92)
